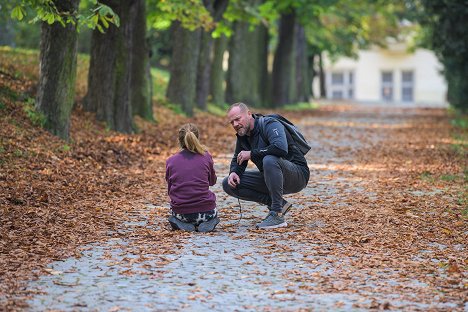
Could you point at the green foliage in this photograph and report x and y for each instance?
(460, 134)
(445, 33)
(2, 106)
(95, 15)
(191, 14)
(66, 148)
(460, 121)
(37, 118)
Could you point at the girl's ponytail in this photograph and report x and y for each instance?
(188, 139)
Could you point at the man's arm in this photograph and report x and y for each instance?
(277, 143)
(235, 167)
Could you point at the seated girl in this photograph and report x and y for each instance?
(189, 174)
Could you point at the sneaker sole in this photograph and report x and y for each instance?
(179, 225)
(286, 209)
(284, 224)
(208, 228)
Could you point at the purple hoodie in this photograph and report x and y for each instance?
(189, 176)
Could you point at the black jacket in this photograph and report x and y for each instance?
(280, 143)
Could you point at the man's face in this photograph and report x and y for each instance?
(240, 120)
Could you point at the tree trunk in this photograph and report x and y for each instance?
(140, 84)
(57, 76)
(216, 8)
(109, 71)
(247, 65)
(323, 89)
(312, 73)
(203, 72)
(302, 67)
(283, 64)
(217, 70)
(182, 84)
(262, 58)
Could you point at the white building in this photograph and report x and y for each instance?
(392, 76)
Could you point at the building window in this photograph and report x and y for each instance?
(338, 95)
(407, 86)
(387, 86)
(337, 78)
(341, 85)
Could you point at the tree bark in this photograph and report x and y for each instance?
(217, 71)
(245, 80)
(216, 8)
(323, 90)
(182, 84)
(140, 83)
(109, 72)
(57, 76)
(203, 72)
(283, 64)
(302, 66)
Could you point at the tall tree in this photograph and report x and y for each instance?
(58, 54)
(283, 64)
(302, 80)
(217, 77)
(186, 18)
(185, 51)
(445, 32)
(140, 83)
(58, 71)
(109, 80)
(216, 9)
(247, 64)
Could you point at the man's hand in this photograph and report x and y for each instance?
(243, 156)
(233, 180)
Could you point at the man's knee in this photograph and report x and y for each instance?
(270, 162)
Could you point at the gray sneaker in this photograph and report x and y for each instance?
(208, 226)
(286, 206)
(176, 224)
(272, 221)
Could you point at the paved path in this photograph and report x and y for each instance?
(237, 267)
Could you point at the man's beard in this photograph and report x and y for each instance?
(243, 131)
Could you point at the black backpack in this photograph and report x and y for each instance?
(297, 136)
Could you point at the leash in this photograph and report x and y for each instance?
(240, 212)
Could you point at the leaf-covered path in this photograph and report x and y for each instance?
(378, 227)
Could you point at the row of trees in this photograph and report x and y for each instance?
(445, 23)
(273, 46)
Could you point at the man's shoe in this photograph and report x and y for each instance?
(272, 221)
(176, 224)
(209, 225)
(286, 206)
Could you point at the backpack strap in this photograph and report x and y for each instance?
(261, 126)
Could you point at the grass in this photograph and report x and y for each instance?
(37, 118)
(160, 81)
(217, 109)
(301, 106)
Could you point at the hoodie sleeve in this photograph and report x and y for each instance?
(235, 167)
(277, 143)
